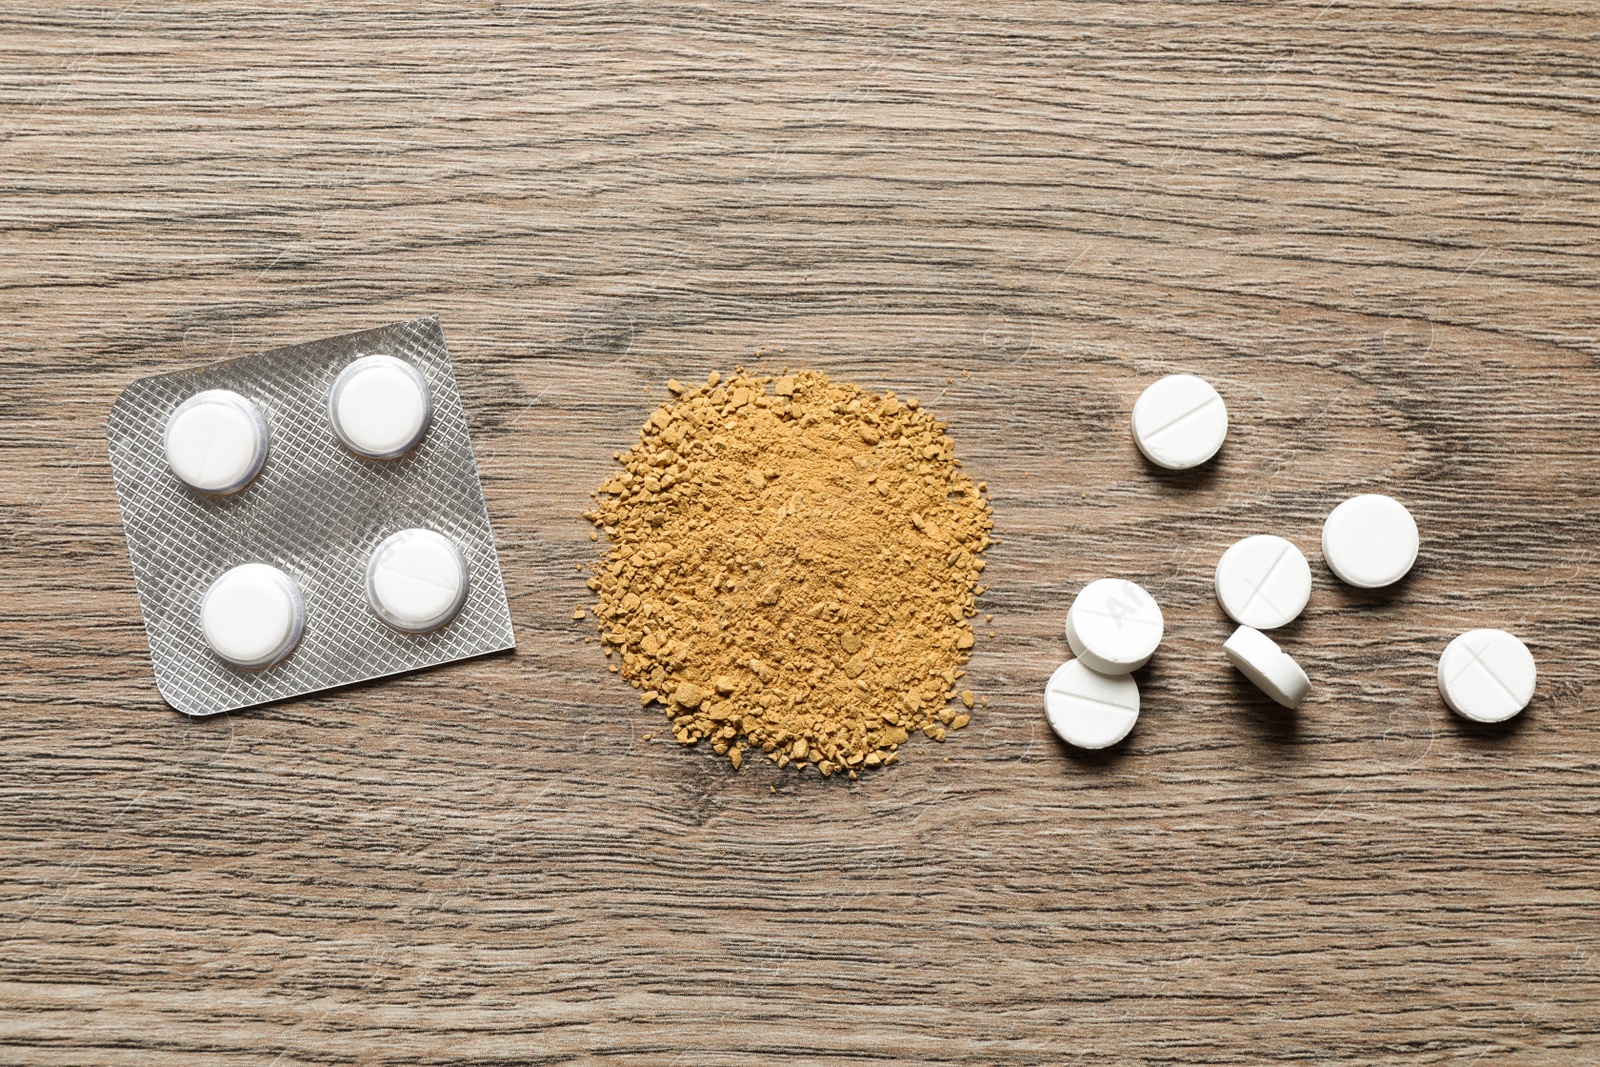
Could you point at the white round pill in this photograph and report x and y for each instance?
(1274, 671)
(1487, 675)
(416, 580)
(1179, 422)
(252, 615)
(380, 406)
(1114, 626)
(1089, 709)
(1263, 581)
(216, 441)
(1370, 541)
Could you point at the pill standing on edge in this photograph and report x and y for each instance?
(1263, 581)
(1273, 670)
(1089, 709)
(380, 406)
(216, 441)
(1370, 541)
(1114, 626)
(416, 580)
(252, 616)
(1179, 422)
(1487, 675)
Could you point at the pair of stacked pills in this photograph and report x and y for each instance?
(1262, 582)
(216, 443)
(1114, 627)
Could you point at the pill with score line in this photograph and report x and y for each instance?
(1263, 582)
(1089, 709)
(216, 441)
(1487, 675)
(1179, 422)
(416, 580)
(1114, 626)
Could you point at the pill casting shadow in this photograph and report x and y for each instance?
(1190, 480)
(1488, 734)
(1287, 636)
(1355, 596)
(1271, 722)
(1095, 759)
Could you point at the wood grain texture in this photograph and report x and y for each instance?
(1372, 226)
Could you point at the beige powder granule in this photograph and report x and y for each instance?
(793, 563)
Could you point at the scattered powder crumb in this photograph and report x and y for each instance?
(792, 566)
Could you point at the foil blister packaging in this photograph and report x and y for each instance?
(316, 511)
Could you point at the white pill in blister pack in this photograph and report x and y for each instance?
(1370, 541)
(1089, 709)
(346, 597)
(1114, 626)
(1179, 422)
(1263, 582)
(1273, 670)
(1487, 675)
(216, 441)
(416, 580)
(252, 615)
(380, 406)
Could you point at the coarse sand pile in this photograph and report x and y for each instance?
(792, 567)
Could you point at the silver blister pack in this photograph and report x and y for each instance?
(316, 511)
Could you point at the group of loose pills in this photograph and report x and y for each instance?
(1262, 582)
(216, 441)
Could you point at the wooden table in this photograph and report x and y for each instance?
(1373, 227)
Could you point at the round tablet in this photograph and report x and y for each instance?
(1263, 581)
(216, 441)
(416, 580)
(1179, 422)
(1487, 675)
(1370, 541)
(380, 406)
(1089, 709)
(1274, 671)
(252, 615)
(1114, 626)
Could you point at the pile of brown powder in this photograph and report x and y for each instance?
(793, 563)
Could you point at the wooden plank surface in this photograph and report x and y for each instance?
(1372, 226)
